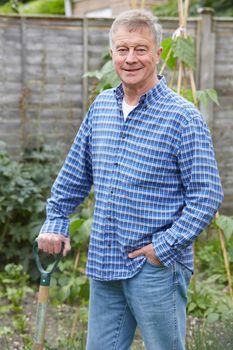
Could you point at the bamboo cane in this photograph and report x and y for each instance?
(142, 4)
(181, 12)
(172, 78)
(165, 62)
(186, 9)
(226, 261)
(133, 4)
(193, 85)
(179, 77)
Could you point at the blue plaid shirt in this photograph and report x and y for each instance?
(155, 179)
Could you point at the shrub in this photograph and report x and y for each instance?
(25, 186)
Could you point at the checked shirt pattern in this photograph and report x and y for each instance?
(155, 180)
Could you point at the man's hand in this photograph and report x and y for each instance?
(148, 252)
(51, 243)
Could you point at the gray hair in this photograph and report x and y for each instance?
(137, 19)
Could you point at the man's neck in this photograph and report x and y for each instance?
(132, 94)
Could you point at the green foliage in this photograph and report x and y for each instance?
(13, 291)
(13, 287)
(106, 76)
(171, 61)
(206, 95)
(5, 9)
(209, 296)
(25, 186)
(44, 7)
(184, 49)
(225, 223)
(181, 48)
(170, 8)
(218, 336)
(79, 342)
(49, 7)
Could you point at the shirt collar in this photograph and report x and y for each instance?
(153, 94)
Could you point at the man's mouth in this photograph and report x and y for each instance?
(132, 69)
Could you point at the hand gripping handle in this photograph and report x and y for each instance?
(45, 275)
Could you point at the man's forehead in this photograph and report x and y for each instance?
(125, 34)
(141, 29)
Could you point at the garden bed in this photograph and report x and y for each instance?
(17, 329)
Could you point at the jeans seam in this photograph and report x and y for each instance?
(175, 339)
(120, 323)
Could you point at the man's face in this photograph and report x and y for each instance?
(135, 58)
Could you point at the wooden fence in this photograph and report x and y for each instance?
(43, 94)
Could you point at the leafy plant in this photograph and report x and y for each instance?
(13, 290)
(209, 293)
(169, 8)
(33, 7)
(13, 282)
(25, 186)
(182, 49)
(218, 336)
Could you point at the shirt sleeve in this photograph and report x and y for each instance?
(202, 192)
(73, 183)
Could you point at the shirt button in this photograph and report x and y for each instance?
(109, 219)
(112, 191)
(123, 136)
(109, 245)
(116, 164)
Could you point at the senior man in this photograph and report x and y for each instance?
(150, 157)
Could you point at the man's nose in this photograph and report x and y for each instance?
(131, 56)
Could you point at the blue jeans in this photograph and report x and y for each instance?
(154, 300)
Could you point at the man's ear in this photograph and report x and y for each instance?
(110, 52)
(158, 54)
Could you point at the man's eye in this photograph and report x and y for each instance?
(141, 51)
(122, 50)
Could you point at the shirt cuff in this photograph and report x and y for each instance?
(167, 254)
(56, 227)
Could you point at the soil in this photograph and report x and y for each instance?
(58, 324)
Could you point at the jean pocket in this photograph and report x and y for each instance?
(154, 264)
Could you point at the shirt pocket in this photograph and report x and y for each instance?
(148, 166)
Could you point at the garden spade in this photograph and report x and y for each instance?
(45, 276)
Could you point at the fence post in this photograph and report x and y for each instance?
(206, 59)
(23, 95)
(85, 65)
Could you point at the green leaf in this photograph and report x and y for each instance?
(80, 280)
(191, 306)
(225, 223)
(84, 231)
(205, 95)
(213, 95)
(213, 278)
(75, 223)
(211, 318)
(184, 49)
(166, 45)
(202, 96)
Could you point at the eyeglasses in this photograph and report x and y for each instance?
(138, 51)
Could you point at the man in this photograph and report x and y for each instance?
(150, 157)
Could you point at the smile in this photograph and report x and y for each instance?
(132, 70)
